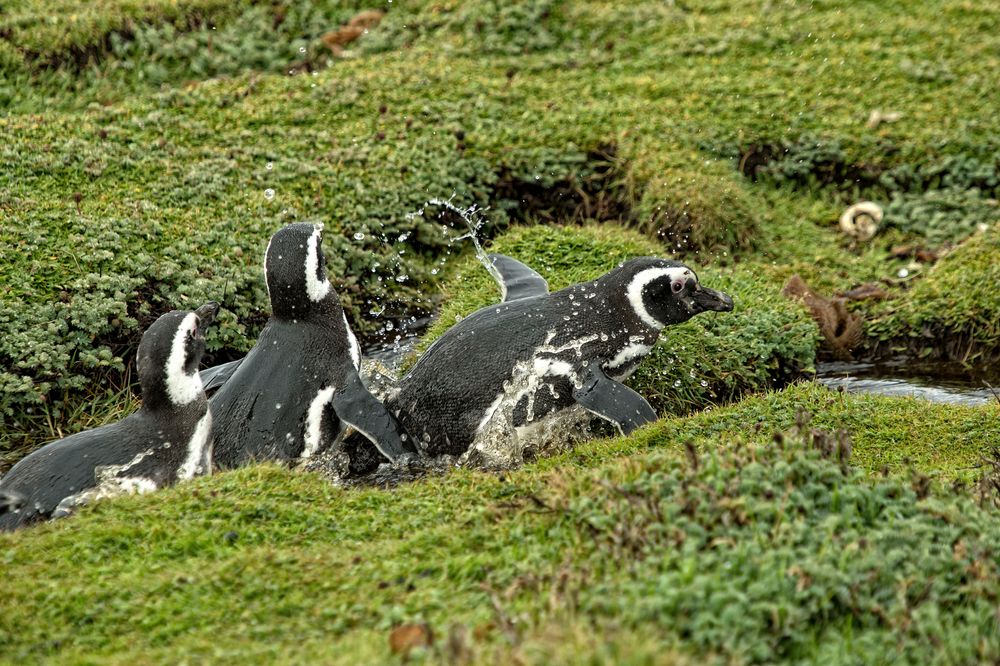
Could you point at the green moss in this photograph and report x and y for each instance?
(265, 562)
(68, 28)
(690, 202)
(944, 441)
(952, 310)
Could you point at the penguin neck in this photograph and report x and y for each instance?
(326, 310)
(157, 397)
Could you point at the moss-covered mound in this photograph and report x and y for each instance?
(764, 342)
(624, 549)
(139, 136)
(952, 311)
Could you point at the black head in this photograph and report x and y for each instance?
(295, 271)
(664, 292)
(169, 354)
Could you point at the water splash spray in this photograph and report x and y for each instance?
(474, 221)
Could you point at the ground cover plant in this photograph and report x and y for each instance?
(175, 167)
(733, 546)
(150, 148)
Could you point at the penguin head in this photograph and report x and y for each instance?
(169, 354)
(295, 272)
(664, 292)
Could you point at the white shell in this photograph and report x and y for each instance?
(861, 220)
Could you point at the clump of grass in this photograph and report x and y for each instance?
(739, 548)
(701, 209)
(951, 312)
(785, 552)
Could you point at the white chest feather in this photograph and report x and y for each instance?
(355, 348)
(199, 450)
(313, 434)
(626, 356)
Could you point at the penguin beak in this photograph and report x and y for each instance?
(705, 299)
(206, 315)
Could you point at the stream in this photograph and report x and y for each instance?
(935, 381)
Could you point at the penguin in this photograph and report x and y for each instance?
(537, 353)
(169, 439)
(299, 387)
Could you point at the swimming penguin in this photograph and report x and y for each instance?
(168, 439)
(299, 386)
(538, 352)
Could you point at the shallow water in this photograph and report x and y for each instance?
(932, 381)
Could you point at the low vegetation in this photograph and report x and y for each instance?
(151, 147)
(737, 546)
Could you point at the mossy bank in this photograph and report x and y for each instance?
(152, 147)
(731, 548)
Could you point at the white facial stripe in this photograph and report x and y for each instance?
(182, 388)
(314, 421)
(199, 451)
(266, 253)
(643, 278)
(353, 341)
(316, 290)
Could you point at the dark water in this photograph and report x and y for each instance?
(933, 381)
(392, 354)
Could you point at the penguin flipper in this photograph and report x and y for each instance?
(613, 401)
(518, 281)
(217, 375)
(358, 408)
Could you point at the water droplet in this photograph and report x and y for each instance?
(359, 236)
(269, 194)
(389, 326)
(302, 49)
(677, 383)
(270, 165)
(903, 272)
(704, 383)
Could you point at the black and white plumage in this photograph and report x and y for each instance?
(292, 395)
(168, 439)
(537, 353)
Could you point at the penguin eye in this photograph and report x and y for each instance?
(676, 286)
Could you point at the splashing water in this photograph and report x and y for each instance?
(473, 218)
